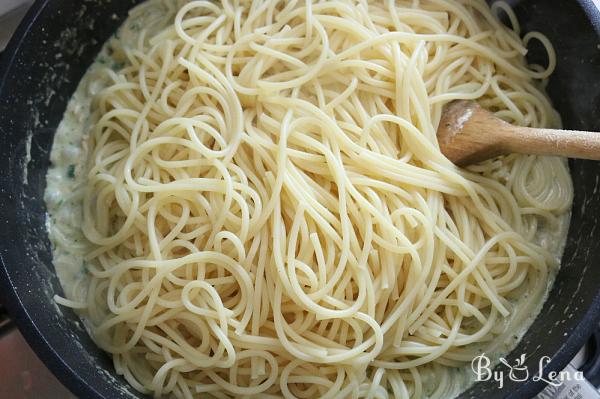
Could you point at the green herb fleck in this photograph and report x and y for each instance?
(117, 66)
(71, 171)
(83, 271)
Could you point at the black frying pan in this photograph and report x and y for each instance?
(41, 68)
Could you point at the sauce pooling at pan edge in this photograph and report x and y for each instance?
(247, 199)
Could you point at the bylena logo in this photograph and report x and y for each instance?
(519, 372)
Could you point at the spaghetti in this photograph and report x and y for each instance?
(268, 213)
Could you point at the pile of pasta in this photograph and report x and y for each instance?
(269, 212)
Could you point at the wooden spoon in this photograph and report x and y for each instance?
(468, 134)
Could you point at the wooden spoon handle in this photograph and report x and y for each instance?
(468, 134)
(568, 143)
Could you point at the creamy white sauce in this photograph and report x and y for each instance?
(66, 178)
(65, 189)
